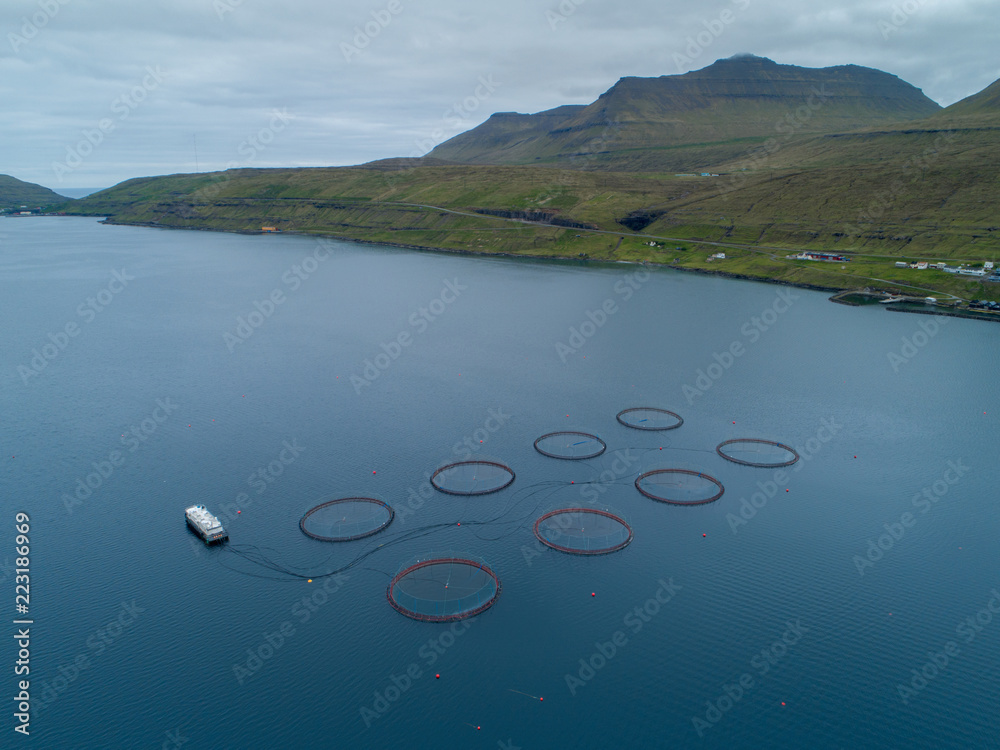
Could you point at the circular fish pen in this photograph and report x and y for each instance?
(679, 486)
(472, 477)
(346, 519)
(765, 454)
(649, 418)
(443, 589)
(583, 531)
(570, 446)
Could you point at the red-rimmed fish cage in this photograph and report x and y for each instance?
(443, 589)
(583, 531)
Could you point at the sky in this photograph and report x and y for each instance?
(99, 91)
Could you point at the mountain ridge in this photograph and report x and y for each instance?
(731, 99)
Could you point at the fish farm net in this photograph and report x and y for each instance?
(472, 477)
(583, 531)
(346, 519)
(766, 454)
(571, 446)
(648, 418)
(679, 486)
(443, 589)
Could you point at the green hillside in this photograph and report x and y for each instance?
(690, 121)
(915, 190)
(14, 193)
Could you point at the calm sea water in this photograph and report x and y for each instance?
(142, 637)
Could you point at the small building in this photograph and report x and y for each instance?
(900, 264)
(828, 257)
(988, 265)
(267, 230)
(921, 266)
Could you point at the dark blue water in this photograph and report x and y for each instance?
(141, 635)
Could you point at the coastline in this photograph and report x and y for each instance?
(836, 291)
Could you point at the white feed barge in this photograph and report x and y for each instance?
(205, 524)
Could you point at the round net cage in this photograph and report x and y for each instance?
(443, 589)
(472, 477)
(766, 454)
(679, 486)
(571, 446)
(648, 418)
(346, 518)
(583, 531)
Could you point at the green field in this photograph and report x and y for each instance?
(911, 190)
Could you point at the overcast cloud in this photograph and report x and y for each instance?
(199, 85)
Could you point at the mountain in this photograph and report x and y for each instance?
(697, 118)
(14, 193)
(984, 104)
(899, 189)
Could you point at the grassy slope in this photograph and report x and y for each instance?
(14, 193)
(923, 190)
(666, 123)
